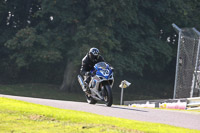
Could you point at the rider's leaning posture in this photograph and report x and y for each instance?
(88, 62)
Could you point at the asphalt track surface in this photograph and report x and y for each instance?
(184, 119)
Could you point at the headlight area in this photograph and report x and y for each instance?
(101, 78)
(111, 76)
(106, 77)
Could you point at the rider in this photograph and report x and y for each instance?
(88, 62)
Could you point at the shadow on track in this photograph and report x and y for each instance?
(121, 108)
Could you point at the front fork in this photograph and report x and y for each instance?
(102, 90)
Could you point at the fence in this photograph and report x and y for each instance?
(187, 63)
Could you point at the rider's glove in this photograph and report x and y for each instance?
(93, 73)
(87, 74)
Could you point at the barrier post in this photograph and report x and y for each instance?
(177, 58)
(124, 84)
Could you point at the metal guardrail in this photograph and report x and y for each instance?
(193, 103)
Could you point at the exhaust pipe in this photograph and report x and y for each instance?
(80, 80)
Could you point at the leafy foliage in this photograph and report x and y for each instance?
(28, 47)
(131, 35)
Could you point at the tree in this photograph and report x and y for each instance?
(134, 36)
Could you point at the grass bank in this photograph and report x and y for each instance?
(19, 116)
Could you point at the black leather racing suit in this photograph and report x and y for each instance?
(88, 65)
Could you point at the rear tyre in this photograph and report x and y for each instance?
(90, 100)
(108, 96)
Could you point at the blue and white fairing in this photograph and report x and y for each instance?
(102, 75)
(103, 71)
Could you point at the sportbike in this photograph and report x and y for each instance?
(101, 83)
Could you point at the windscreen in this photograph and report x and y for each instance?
(101, 65)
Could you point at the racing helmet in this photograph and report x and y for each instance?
(93, 54)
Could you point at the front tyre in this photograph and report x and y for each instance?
(90, 100)
(108, 96)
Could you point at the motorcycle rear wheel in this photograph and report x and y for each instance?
(108, 96)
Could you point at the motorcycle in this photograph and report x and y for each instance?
(100, 85)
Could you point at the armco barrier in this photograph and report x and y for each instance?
(193, 103)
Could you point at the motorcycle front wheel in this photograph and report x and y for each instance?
(108, 96)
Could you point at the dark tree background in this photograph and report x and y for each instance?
(44, 41)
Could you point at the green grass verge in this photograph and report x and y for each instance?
(18, 116)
